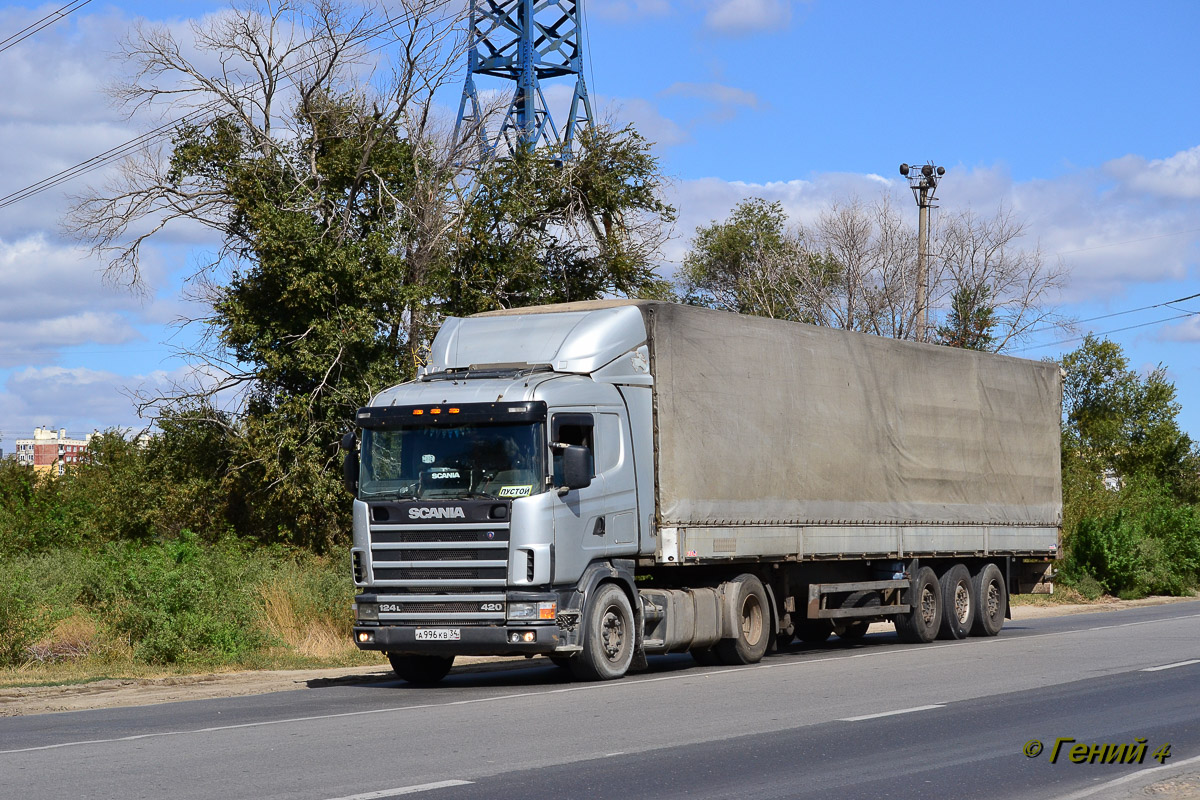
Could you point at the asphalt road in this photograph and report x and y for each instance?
(874, 719)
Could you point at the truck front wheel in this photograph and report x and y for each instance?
(421, 670)
(609, 638)
(921, 623)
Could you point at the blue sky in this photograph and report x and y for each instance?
(1082, 117)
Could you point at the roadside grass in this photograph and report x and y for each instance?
(178, 607)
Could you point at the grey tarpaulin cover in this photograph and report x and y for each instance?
(766, 422)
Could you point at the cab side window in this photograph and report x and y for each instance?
(578, 429)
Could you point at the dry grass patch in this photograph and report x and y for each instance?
(303, 628)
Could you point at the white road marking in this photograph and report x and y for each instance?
(1141, 774)
(608, 686)
(1173, 666)
(424, 787)
(891, 713)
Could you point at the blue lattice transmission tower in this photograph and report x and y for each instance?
(525, 41)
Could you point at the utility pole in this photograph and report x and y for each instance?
(923, 183)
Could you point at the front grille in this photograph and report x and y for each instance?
(434, 607)
(438, 557)
(490, 534)
(439, 573)
(442, 555)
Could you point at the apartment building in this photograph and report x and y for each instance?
(51, 451)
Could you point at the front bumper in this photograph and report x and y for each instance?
(477, 640)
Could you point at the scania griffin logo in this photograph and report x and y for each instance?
(439, 513)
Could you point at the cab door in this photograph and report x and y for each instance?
(580, 526)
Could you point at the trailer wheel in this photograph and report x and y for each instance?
(852, 630)
(749, 644)
(958, 603)
(990, 598)
(421, 670)
(814, 631)
(921, 623)
(609, 638)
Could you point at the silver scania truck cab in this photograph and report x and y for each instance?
(499, 489)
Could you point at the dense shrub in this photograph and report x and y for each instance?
(179, 600)
(23, 620)
(1148, 544)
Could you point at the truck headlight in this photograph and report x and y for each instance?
(529, 611)
(366, 611)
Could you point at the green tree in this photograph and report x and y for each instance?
(1119, 421)
(540, 228)
(971, 321)
(726, 258)
(349, 225)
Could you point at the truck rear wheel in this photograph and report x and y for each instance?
(421, 670)
(991, 599)
(609, 638)
(921, 623)
(958, 604)
(753, 635)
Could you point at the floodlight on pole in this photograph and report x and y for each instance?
(923, 181)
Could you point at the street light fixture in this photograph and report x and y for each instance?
(923, 181)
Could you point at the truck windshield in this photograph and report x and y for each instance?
(460, 462)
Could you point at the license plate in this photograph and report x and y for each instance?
(437, 634)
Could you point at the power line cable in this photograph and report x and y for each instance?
(129, 147)
(1106, 333)
(44, 22)
(1121, 313)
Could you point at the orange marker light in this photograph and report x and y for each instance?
(453, 410)
(418, 412)
(435, 411)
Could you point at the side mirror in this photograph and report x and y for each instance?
(350, 464)
(576, 467)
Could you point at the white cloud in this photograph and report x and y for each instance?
(78, 399)
(725, 101)
(1187, 330)
(741, 17)
(1108, 238)
(1177, 176)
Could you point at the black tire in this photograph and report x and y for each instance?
(852, 630)
(753, 614)
(921, 624)
(706, 656)
(958, 604)
(421, 670)
(609, 637)
(990, 596)
(814, 631)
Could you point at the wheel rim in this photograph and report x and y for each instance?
(962, 603)
(752, 620)
(993, 600)
(928, 605)
(613, 633)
